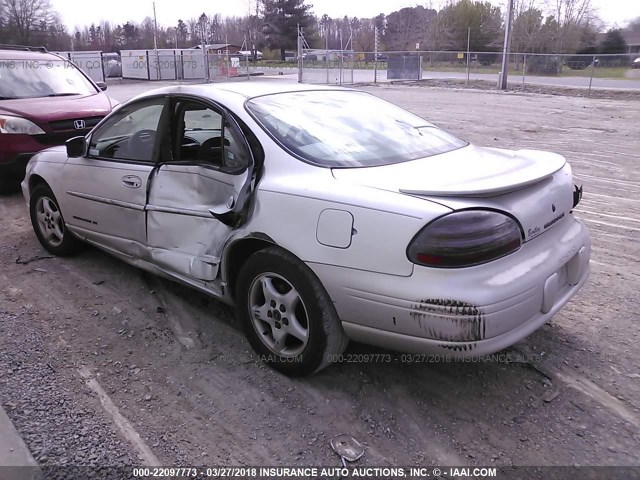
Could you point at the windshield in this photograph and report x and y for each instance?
(348, 129)
(41, 78)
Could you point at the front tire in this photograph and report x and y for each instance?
(287, 315)
(8, 185)
(48, 223)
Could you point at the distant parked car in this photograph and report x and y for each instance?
(44, 100)
(323, 214)
(636, 63)
(248, 54)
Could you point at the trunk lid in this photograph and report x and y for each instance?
(468, 171)
(535, 187)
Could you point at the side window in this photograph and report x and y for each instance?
(199, 133)
(130, 134)
(206, 137)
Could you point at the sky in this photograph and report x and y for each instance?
(75, 13)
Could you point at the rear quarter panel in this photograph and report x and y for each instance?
(288, 209)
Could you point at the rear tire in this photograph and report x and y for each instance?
(48, 223)
(287, 315)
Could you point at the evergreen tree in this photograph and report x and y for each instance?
(280, 22)
(613, 42)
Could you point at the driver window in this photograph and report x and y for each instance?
(130, 134)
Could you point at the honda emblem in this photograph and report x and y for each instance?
(79, 124)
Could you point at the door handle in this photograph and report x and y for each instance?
(131, 181)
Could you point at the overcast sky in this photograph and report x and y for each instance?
(75, 13)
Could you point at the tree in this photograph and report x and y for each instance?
(570, 17)
(26, 15)
(281, 19)
(364, 35)
(195, 34)
(254, 36)
(526, 34)
(203, 20)
(181, 34)
(613, 42)
(131, 35)
(325, 29)
(407, 27)
(484, 19)
(633, 27)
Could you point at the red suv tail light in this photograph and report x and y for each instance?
(465, 238)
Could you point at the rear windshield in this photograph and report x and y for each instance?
(41, 78)
(348, 129)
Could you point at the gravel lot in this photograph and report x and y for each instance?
(102, 364)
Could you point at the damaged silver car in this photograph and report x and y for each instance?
(323, 214)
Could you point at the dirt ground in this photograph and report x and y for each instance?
(157, 373)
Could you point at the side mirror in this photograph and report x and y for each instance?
(76, 147)
(102, 85)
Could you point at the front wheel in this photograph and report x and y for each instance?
(8, 184)
(48, 223)
(287, 315)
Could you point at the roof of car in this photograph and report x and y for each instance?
(14, 54)
(245, 89)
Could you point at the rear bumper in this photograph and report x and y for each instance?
(459, 349)
(464, 312)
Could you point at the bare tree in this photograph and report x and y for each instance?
(26, 16)
(521, 6)
(195, 33)
(571, 16)
(364, 35)
(527, 31)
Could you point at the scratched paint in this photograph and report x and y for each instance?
(449, 320)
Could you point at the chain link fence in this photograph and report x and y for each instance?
(348, 67)
(333, 67)
(581, 71)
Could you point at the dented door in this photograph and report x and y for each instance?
(194, 203)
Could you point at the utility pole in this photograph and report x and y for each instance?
(375, 54)
(300, 48)
(502, 81)
(205, 53)
(468, 51)
(155, 41)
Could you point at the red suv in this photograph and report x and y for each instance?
(44, 100)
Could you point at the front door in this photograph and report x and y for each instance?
(194, 198)
(105, 192)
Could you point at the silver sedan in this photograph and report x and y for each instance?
(323, 214)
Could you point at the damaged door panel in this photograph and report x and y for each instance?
(193, 205)
(183, 235)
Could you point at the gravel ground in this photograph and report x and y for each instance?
(176, 367)
(53, 410)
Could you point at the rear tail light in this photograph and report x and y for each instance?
(465, 238)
